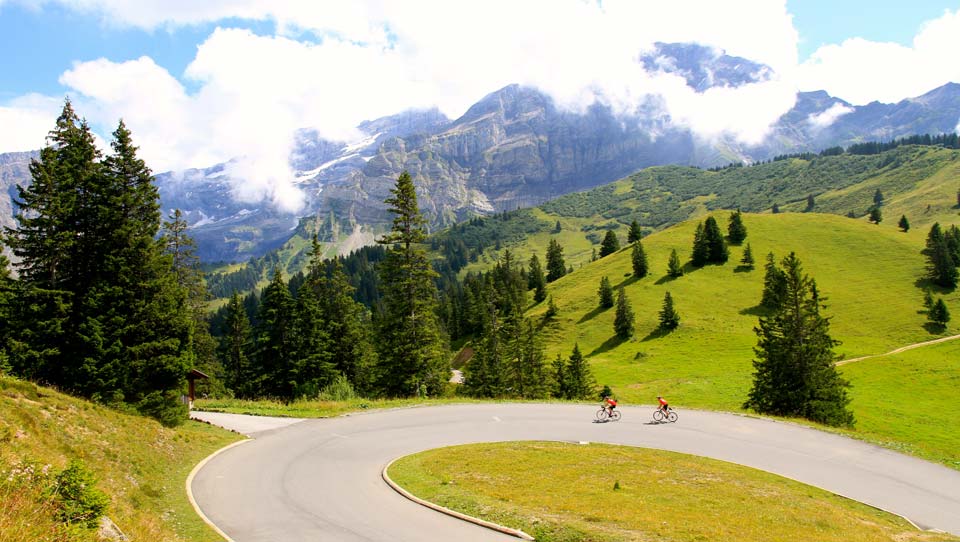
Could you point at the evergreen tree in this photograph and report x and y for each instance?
(580, 381)
(561, 387)
(952, 238)
(557, 228)
(927, 300)
(877, 198)
(747, 259)
(556, 267)
(412, 352)
(669, 318)
(939, 315)
(715, 242)
(775, 209)
(941, 267)
(701, 248)
(904, 224)
(875, 216)
(794, 370)
(811, 203)
(623, 322)
(610, 244)
(6, 312)
(275, 363)
(536, 280)
(484, 373)
(235, 346)
(736, 230)
(638, 258)
(674, 267)
(774, 284)
(527, 375)
(605, 293)
(552, 309)
(312, 346)
(634, 234)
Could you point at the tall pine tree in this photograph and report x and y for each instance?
(275, 364)
(623, 321)
(795, 373)
(556, 267)
(412, 350)
(536, 281)
(736, 230)
(638, 259)
(579, 379)
(610, 244)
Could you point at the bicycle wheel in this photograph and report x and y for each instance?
(672, 416)
(615, 416)
(657, 415)
(602, 414)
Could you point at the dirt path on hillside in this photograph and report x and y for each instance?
(901, 349)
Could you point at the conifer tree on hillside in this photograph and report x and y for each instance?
(274, 359)
(716, 245)
(875, 215)
(484, 374)
(412, 350)
(527, 374)
(941, 266)
(556, 267)
(737, 231)
(579, 378)
(347, 323)
(623, 323)
(605, 293)
(235, 346)
(904, 224)
(700, 254)
(634, 234)
(795, 373)
(747, 260)
(877, 198)
(6, 301)
(536, 281)
(674, 267)
(775, 209)
(638, 259)
(102, 314)
(952, 238)
(561, 388)
(774, 284)
(811, 203)
(669, 317)
(939, 315)
(610, 244)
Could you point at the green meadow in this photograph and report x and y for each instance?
(603, 492)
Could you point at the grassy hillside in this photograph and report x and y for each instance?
(867, 273)
(139, 464)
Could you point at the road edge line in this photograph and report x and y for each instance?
(453, 513)
(189, 484)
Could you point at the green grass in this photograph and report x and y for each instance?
(867, 274)
(662, 496)
(140, 465)
(911, 401)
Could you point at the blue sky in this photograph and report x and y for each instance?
(822, 22)
(202, 82)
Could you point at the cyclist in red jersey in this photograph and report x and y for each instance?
(663, 404)
(611, 404)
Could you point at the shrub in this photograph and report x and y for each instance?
(165, 407)
(78, 499)
(338, 390)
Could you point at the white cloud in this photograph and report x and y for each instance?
(862, 71)
(372, 58)
(828, 117)
(26, 122)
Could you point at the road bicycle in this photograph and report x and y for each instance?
(659, 416)
(603, 415)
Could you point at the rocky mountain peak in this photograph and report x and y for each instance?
(704, 67)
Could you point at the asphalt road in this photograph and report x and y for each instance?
(320, 479)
